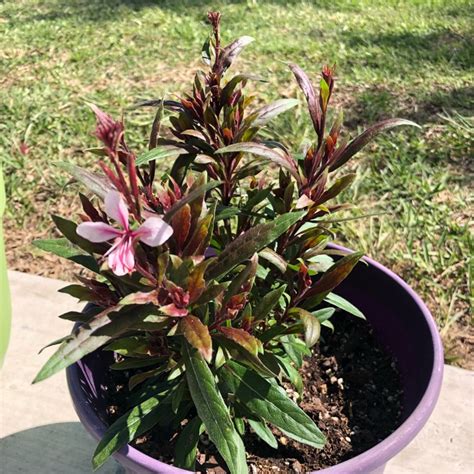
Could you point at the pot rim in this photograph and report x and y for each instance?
(365, 462)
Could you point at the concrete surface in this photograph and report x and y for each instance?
(40, 434)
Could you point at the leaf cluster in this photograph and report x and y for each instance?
(211, 323)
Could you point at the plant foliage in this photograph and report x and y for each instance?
(210, 282)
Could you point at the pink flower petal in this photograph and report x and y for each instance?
(103, 118)
(108, 130)
(121, 260)
(97, 231)
(154, 231)
(128, 256)
(116, 208)
(146, 213)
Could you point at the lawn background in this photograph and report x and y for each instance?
(412, 59)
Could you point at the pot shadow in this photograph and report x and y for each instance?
(51, 449)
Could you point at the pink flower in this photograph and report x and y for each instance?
(153, 232)
(108, 130)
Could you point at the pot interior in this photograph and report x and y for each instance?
(399, 324)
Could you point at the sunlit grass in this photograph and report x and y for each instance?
(411, 58)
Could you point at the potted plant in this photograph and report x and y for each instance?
(210, 286)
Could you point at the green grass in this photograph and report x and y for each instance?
(394, 58)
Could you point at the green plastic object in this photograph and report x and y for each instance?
(5, 303)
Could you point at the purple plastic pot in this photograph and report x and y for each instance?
(401, 322)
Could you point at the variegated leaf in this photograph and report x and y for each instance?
(197, 334)
(243, 338)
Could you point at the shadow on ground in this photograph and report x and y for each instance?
(57, 448)
(106, 10)
(444, 45)
(379, 102)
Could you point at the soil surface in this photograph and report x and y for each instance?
(351, 390)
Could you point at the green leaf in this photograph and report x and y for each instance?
(125, 429)
(295, 348)
(178, 395)
(68, 229)
(201, 238)
(226, 212)
(171, 105)
(244, 339)
(328, 324)
(96, 151)
(250, 169)
(211, 293)
(324, 93)
(129, 346)
(76, 316)
(180, 165)
(268, 112)
(87, 261)
(268, 401)
(151, 388)
(268, 302)
(213, 412)
(136, 363)
(80, 292)
(239, 425)
(255, 197)
(240, 353)
(152, 322)
(60, 247)
(108, 324)
(229, 88)
(292, 374)
(254, 240)
(346, 153)
(272, 332)
(337, 188)
(137, 379)
(186, 445)
(323, 314)
(312, 326)
(331, 279)
(263, 432)
(160, 153)
(262, 272)
(245, 277)
(206, 51)
(275, 155)
(343, 304)
(64, 248)
(82, 316)
(128, 427)
(320, 263)
(274, 258)
(55, 343)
